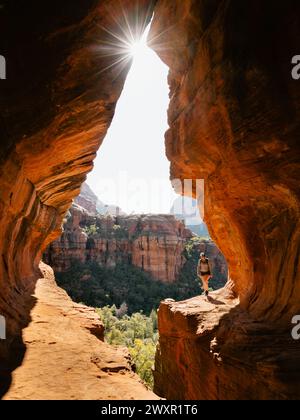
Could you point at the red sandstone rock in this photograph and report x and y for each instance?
(64, 360)
(87, 199)
(56, 106)
(216, 351)
(234, 120)
(154, 243)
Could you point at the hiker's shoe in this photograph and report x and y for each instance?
(206, 292)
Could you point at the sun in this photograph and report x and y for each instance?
(128, 46)
(137, 48)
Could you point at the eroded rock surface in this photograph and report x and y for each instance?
(154, 243)
(64, 360)
(209, 348)
(234, 120)
(56, 105)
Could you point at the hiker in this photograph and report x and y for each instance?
(204, 271)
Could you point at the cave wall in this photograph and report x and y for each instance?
(56, 105)
(234, 121)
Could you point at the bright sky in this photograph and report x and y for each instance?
(131, 169)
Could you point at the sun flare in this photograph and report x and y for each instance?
(137, 48)
(122, 48)
(143, 101)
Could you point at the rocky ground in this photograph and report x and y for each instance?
(63, 360)
(210, 349)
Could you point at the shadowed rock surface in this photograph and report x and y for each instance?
(64, 361)
(234, 120)
(56, 106)
(211, 349)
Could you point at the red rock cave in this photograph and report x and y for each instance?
(234, 122)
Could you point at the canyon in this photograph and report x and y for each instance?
(154, 243)
(234, 122)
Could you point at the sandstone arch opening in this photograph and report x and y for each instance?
(232, 89)
(129, 226)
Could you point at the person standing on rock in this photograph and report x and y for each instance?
(204, 271)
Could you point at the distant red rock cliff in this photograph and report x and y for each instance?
(154, 243)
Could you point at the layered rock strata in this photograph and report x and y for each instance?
(56, 103)
(154, 243)
(210, 349)
(234, 120)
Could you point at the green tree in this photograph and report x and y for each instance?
(91, 230)
(137, 333)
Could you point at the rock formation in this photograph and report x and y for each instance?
(154, 243)
(216, 351)
(228, 88)
(64, 361)
(87, 199)
(56, 105)
(234, 120)
(158, 248)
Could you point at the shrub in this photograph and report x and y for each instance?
(138, 333)
(91, 230)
